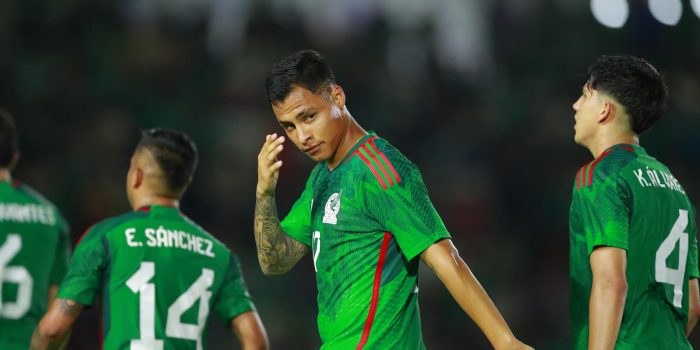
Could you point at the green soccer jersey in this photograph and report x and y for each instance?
(33, 256)
(158, 275)
(627, 199)
(367, 221)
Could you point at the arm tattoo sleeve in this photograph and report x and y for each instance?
(277, 252)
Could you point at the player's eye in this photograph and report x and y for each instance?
(310, 117)
(288, 127)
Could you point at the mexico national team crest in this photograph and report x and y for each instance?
(332, 208)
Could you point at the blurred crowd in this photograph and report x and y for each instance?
(477, 93)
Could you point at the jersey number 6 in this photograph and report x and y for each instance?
(14, 274)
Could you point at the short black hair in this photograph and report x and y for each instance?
(175, 153)
(9, 145)
(306, 68)
(635, 84)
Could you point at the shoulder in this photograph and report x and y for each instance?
(204, 233)
(606, 169)
(105, 226)
(383, 163)
(39, 199)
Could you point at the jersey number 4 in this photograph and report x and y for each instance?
(174, 328)
(665, 274)
(17, 275)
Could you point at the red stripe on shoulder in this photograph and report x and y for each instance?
(371, 168)
(381, 154)
(627, 148)
(378, 162)
(83, 235)
(590, 172)
(16, 183)
(375, 291)
(578, 178)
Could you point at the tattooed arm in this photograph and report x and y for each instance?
(277, 252)
(52, 332)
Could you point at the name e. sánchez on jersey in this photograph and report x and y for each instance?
(659, 179)
(27, 213)
(164, 238)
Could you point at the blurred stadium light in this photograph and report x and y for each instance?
(610, 13)
(668, 12)
(695, 4)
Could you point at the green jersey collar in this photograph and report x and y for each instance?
(352, 150)
(160, 210)
(628, 147)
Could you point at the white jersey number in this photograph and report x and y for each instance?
(317, 247)
(664, 274)
(174, 327)
(17, 275)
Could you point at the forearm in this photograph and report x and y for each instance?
(250, 331)
(605, 310)
(277, 252)
(475, 302)
(693, 306)
(52, 331)
(692, 322)
(44, 342)
(444, 259)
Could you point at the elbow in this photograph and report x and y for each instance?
(259, 344)
(51, 331)
(267, 271)
(613, 288)
(694, 311)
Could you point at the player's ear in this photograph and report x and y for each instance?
(338, 95)
(138, 177)
(607, 111)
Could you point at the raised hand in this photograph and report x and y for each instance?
(268, 165)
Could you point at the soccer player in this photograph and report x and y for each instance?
(634, 255)
(157, 273)
(34, 248)
(364, 216)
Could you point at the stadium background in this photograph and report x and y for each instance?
(477, 93)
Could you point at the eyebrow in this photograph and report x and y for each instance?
(587, 87)
(304, 113)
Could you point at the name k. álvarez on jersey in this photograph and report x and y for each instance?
(652, 179)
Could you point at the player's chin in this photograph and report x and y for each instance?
(317, 157)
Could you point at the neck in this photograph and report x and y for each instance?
(611, 139)
(5, 175)
(353, 134)
(146, 201)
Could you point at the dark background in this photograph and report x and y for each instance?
(477, 93)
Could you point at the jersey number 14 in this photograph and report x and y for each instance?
(174, 328)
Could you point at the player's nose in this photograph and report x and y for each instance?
(303, 135)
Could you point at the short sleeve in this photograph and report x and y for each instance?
(403, 208)
(233, 298)
(603, 208)
(693, 256)
(82, 281)
(297, 223)
(60, 263)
